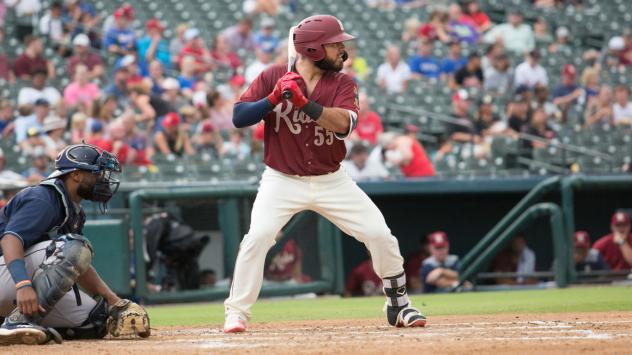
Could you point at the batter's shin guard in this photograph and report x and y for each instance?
(396, 296)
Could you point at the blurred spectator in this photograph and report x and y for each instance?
(626, 53)
(32, 60)
(590, 85)
(269, 7)
(53, 128)
(517, 258)
(360, 168)
(120, 40)
(38, 90)
(461, 27)
(178, 42)
(33, 142)
(562, 41)
(518, 113)
(171, 139)
(81, 92)
(622, 108)
(530, 73)
(363, 281)
(223, 55)
(492, 51)
(118, 87)
(355, 65)
(265, 38)
(369, 126)
(587, 259)
(130, 62)
(240, 36)
(105, 109)
(412, 266)
(567, 93)
(187, 77)
(424, 63)
(190, 118)
(473, 14)
(194, 47)
(516, 36)
(153, 46)
(8, 176)
(84, 55)
(462, 130)
(470, 75)
(393, 74)
(26, 16)
(439, 272)
(208, 140)
(616, 247)
(539, 127)
(541, 33)
(437, 28)
(171, 94)
(235, 147)
(487, 122)
(6, 119)
(264, 59)
(600, 110)
(611, 56)
(287, 264)
(51, 25)
(208, 278)
(411, 29)
(499, 77)
(453, 62)
(140, 105)
(40, 167)
(542, 101)
(156, 76)
(406, 152)
(41, 110)
(79, 127)
(97, 134)
(3, 12)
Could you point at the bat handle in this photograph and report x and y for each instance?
(287, 94)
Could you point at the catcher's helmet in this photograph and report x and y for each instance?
(313, 32)
(89, 158)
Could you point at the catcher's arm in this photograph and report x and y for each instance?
(92, 283)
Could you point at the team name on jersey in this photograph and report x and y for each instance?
(294, 122)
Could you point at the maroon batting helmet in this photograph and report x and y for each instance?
(313, 32)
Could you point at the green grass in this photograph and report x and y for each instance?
(577, 299)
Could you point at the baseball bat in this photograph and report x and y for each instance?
(291, 58)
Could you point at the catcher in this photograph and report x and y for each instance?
(44, 257)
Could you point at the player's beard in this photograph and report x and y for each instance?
(85, 190)
(331, 64)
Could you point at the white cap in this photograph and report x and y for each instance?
(81, 40)
(562, 32)
(267, 22)
(127, 60)
(616, 43)
(53, 122)
(170, 84)
(191, 33)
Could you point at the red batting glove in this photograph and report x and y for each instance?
(277, 94)
(298, 98)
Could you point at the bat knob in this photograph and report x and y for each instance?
(287, 94)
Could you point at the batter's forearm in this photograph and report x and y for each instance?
(92, 283)
(250, 113)
(335, 119)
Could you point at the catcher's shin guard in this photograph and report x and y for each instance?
(399, 312)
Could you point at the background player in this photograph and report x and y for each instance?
(44, 255)
(303, 150)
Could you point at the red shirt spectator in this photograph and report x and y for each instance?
(419, 165)
(363, 281)
(223, 55)
(473, 15)
(287, 264)
(412, 266)
(31, 60)
(369, 125)
(83, 55)
(195, 48)
(616, 247)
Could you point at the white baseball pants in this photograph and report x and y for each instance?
(336, 197)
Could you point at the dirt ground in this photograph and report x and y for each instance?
(603, 333)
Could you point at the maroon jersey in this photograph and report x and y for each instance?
(611, 252)
(363, 281)
(293, 143)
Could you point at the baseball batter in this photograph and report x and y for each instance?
(303, 150)
(43, 256)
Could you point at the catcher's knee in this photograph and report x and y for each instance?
(94, 327)
(61, 269)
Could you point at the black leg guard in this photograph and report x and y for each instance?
(399, 313)
(95, 327)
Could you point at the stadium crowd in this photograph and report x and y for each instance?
(139, 94)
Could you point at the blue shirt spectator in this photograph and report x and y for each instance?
(120, 39)
(440, 270)
(424, 63)
(454, 60)
(265, 39)
(153, 46)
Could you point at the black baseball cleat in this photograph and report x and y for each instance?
(405, 317)
(27, 333)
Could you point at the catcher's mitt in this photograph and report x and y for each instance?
(126, 319)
